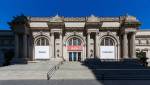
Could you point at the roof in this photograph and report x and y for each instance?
(91, 18)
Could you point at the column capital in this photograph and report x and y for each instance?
(88, 33)
(125, 32)
(133, 33)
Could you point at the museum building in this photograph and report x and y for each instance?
(74, 38)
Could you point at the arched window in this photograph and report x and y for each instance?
(74, 41)
(107, 42)
(42, 41)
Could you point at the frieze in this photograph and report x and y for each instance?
(35, 34)
(74, 19)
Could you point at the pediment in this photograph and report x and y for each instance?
(93, 18)
(56, 18)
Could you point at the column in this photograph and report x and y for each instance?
(132, 43)
(25, 46)
(53, 43)
(60, 37)
(16, 46)
(29, 48)
(125, 46)
(88, 45)
(96, 45)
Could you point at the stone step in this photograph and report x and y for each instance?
(77, 70)
(73, 70)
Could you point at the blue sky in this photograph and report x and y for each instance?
(138, 8)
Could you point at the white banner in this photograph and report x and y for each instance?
(107, 52)
(42, 52)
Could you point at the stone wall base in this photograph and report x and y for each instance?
(19, 61)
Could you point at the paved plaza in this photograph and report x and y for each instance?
(75, 82)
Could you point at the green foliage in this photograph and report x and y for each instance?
(140, 55)
(21, 19)
(142, 58)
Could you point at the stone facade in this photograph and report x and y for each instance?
(77, 38)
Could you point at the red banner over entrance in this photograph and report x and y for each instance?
(74, 48)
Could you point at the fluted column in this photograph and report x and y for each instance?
(132, 43)
(125, 46)
(96, 45)
(16, 46)
(60, 36)
(25, 45)
(53, 43)
(88, 45)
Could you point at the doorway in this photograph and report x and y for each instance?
(42, 48)
(107, 48)
(74, 56)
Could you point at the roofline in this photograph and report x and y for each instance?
(6, 31)
(77, 16)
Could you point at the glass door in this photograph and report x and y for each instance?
(74, 56)
(79, 56)
(70, 56)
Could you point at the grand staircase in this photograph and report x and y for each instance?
(126, 69)
(95, 69)
(73, 70)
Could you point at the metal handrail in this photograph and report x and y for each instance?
(53, 69)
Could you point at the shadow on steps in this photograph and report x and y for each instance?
(127, 69)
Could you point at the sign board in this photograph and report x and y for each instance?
(74, 48)
(41, 52)
(107, 52)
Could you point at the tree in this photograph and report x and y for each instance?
(142, 58)
(17, 20)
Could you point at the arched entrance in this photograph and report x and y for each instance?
(107, 48)
(42, 48)
(74, 49)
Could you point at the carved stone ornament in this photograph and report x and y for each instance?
(56, 18)
(92, 18)
(108, 32)
(41, 33)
